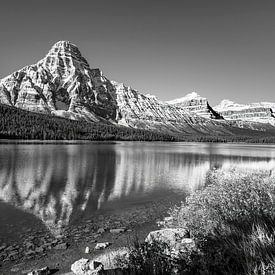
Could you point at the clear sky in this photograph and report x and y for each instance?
(220, 49)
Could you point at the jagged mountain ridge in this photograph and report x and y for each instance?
(258, 112)
(63, 84)
(196, 104)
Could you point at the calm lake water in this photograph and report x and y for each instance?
(58, 184)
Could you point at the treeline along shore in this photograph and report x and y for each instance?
(21, 124)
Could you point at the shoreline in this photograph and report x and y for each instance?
(112, 142)
(61, 260)
(60, 252)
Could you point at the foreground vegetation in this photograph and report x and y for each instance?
(232, 222)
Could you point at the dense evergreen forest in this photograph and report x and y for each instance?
(258, 138)
(20, 124)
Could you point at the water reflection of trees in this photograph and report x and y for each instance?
(58, 183)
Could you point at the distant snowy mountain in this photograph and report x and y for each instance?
(63, 84)
(256, 112)
(196, 104)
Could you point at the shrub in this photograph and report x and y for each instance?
(229, 197)
(233, 222)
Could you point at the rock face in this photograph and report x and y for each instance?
(136, 108)
(63, 84)
(196, 104)
(256, 112)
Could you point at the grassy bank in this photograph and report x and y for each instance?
(232, 222)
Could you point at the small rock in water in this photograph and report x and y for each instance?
(15, 269)
(54, 242)
(9, 248)
(61, 246)
(100, 230)
(39, 249)
(118, 230)
(29, 245)
(29, 252)
(13, 255)
(2, 247)
(3, 256)
(102, 245)
(87, 250)
(47, 246)
(41, 271)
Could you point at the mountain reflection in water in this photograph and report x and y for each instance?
(58, 183)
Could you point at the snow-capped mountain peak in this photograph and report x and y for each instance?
(225, 103)
(195, 104)
(188, 97)
(63, 84)
(255, 112)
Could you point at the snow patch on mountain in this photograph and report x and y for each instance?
(196, 104)
(256, 112)
(188, 97)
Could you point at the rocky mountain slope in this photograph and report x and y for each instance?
(196, 104)
(63, 84)
(258, 112)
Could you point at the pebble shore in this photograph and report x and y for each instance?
(41, 248)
